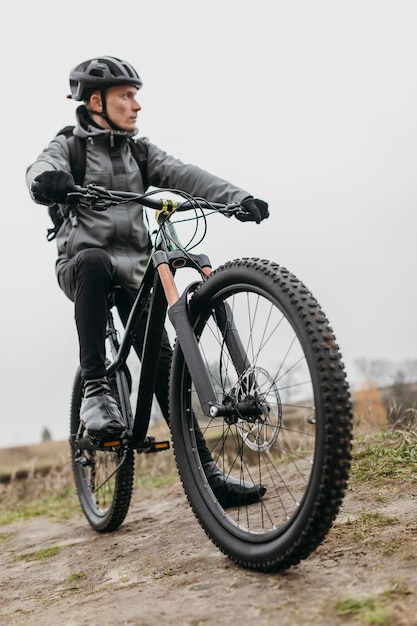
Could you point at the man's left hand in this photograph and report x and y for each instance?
(255, 210)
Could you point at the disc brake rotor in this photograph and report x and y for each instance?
(260, 433)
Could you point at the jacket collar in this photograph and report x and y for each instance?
(88, 129)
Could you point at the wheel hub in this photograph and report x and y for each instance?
(257, 409)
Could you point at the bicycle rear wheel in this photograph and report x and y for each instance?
(103, 478)
(273, 360)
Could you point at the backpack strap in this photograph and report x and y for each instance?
(140, 152)
(78, 153)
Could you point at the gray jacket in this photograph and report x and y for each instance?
(121, 230)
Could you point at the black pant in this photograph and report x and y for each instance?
(87, 280)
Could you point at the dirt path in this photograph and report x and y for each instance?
(160, 568)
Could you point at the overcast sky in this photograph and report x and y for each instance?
(309, 104)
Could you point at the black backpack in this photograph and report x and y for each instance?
(78, 153)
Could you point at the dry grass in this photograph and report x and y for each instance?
(38, 479)
(25, 461)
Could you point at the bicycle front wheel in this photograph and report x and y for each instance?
(103, 478)
(273, 361)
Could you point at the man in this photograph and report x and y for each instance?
(111, 247)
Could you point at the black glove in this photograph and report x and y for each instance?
(255, 210)
(54, 186)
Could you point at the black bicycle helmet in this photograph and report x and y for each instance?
(101, 73)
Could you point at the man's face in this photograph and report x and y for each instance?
(122, 106)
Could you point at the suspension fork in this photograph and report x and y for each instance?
(223, 316)
(178, 313)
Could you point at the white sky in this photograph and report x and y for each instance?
(309, 104)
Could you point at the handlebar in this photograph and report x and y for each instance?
(99, 199)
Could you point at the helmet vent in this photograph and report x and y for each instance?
(101, 73)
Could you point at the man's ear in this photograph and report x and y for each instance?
(95, 104)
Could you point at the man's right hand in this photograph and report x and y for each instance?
(54, 186)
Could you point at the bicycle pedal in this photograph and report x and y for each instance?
(150, 445)
(159, 446)
(89, 442)
(112, 444)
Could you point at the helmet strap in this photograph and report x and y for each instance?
(104, 113)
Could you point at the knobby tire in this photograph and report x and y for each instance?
(103, 478)
(298, 444)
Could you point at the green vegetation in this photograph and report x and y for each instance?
(368, 609)
(373, 609)
(365, 526)
(61, 507)
(39, 555)
(153, 481)
(75, 579)
(386, 454)
(4, 537)
(75, 576)
(46, 435)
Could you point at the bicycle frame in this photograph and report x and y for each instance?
(158, 288)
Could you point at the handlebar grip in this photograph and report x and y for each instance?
(36, 188)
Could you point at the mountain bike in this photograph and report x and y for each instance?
(255, 370)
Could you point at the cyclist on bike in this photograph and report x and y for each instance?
(110, 247)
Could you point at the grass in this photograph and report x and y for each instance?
(368, 609)
(387, 454)
(368, 524)
(155, 481)
(50, 493)
(373, 609)
(75, 580)
(4, 537)
(60, 507)
(26, 461)
(39, 555)
(75, 577)
(386, 457)
(38, 480)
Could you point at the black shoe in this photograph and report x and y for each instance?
(99, 411)
(231, 491)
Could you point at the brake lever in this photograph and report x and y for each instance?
(232, 209)
(97, 198)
